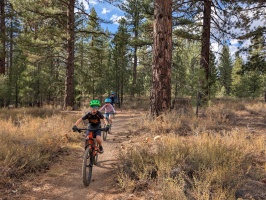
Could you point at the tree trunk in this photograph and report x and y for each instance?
(2, 37)
(205, 48)
(162, 57)
(69, 84)
(135, 63)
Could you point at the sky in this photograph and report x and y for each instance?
(105, 11)
(234, 43)
(109, 12)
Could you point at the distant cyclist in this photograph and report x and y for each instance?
(94, 117)
(108, 109)
(114, 99)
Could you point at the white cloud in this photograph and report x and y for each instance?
(233, 50)
(215, 47)
(115, 18)
(86, 5)
(105, 10)
(93, 2)
(234, 42)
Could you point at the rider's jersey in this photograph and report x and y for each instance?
(108, 108)
(113, 100)
(94, 119)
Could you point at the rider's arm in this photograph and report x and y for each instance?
(82, 118)
(105, 121)
(113, 109)
(102, 117)
(100, 109)
(78, 121)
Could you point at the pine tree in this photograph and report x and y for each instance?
(121, 59)
(162, 57)
(237, 78)
(225, 70)
(213, 76)
(2, 37)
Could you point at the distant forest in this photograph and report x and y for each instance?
(57, 53)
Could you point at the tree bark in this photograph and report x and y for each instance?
(2, 37)
(162, 57)
(135, 63)
(69, 84)
(205, 47)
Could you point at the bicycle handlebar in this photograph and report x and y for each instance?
(85, 129)
(110, 113)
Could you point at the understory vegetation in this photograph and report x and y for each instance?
(209, 157)
(30, 138)
(177, 155)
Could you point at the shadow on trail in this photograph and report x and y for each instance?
(105, 164)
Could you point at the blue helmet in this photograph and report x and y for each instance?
(107, 100)
(112, 92)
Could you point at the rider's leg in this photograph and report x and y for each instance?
(99, 140)
(111, 119)
(98, 134)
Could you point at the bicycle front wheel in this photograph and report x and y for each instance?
(109, 130)
(87, 167)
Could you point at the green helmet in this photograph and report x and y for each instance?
(95, 102)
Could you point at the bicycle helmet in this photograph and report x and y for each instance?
(95, 102)
(107, 100)
(112, 92)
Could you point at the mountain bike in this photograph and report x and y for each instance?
(106, 115)
(90, 155)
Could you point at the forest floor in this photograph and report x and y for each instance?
(63, 181)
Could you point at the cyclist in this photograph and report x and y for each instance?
(108, 109)
(113, 99)
(94, 117)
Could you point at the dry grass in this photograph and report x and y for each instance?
(29, 140)
(195, 158)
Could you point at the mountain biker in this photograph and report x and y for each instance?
(113, 99)
(94, 117)
(108, 109)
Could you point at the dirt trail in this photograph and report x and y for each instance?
(64, 179)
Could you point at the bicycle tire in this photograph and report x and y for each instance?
(109, 130)
(96, 155)
(104, 134)
(87, 167)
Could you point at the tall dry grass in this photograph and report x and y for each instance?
(195, 158)
(29, 140)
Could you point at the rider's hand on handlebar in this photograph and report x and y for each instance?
(107, 127)
(75, 128)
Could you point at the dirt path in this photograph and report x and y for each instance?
(64, 179)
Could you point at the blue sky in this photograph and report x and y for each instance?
(109, 12)
(105, 11)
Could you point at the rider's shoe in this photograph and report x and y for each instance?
(101, 149)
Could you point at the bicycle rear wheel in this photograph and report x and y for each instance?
(87, 167)
(104, 134)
